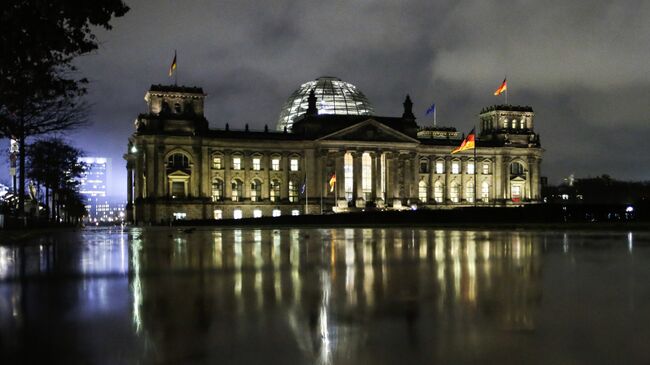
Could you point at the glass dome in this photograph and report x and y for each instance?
(333, 96)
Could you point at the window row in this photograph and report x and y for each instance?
(256, 163)
(454, 192)
(455, 167)
(257, 213)
(237, 190)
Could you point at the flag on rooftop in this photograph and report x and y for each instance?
(468, 143)
(502, 88)
(172, 68)
(431, 109)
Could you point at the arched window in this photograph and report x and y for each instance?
(256, 190)
(275, 191)
(516, 169)
(469, 191)
(505, 123)
(454, 192)
(293, 192)
(178, 161)
(523, 124)
(424, 166)
(422, 191)
(349, 178)
(217, 190)
(485, 191)
(237, 190)
(514, 123)
(438, 192)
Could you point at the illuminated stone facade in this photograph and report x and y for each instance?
(179, 168)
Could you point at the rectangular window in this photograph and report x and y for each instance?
(470, 168)
(218, 214)
(236, 163)
(275, 164)
(237, 214)
(216, 163)
(486, 168)
(293, 164)
(295, 212)
(277, 212)
(257, 213)
(179, 216)
(455, 167)
(178, 189)
(424, 167)
(257, 164)
(440, 167)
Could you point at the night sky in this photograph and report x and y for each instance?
(582, 65)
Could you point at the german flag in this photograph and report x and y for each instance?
(468, 143)
(502, 88)
(332, 182)
(172, 68)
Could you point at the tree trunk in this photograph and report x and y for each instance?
(21, 184)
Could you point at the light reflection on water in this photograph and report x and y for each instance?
(318, 295)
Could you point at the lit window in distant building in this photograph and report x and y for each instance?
(293, 192)
(440, 167)
(257, 163)
(276, 212)
(218, 214)
(470, 168)
(217, 190)
(454, 192)
(275, 164)
(236, 190)
(438, 192)
(455, 167)
(275, 191)
(256, 190)
(422, 191)
(293, 164)
(469, 192)
(485, 191)
(295, 212)
(179, 215)
(486, 168)
(237, 214)
(236, 163)
(257, 213)
(216, 163)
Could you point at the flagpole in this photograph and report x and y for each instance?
(434, 116)
(176, 70)
(475, 163)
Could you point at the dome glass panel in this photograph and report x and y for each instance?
(333, 96)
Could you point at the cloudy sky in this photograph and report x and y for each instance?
(582, 65)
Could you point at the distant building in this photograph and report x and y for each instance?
(93, 184)
(179, 168)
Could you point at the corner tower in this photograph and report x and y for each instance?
(509, 124)
(173, 109)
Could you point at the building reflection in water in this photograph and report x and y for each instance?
(325, 291)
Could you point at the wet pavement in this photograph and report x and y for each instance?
(326, 296)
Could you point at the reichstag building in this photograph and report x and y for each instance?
(328, 153)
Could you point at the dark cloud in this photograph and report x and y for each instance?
(581, 65)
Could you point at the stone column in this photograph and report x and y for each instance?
(390, 177)
(506, 180)
(376, 174)
(206, 173)
(357, 191)
(415, 177)
(284, 166)
(247, 162)
(129, 191)
(266, 185)
(463, 170)
(447, 188)
(340, 175)
(498, 177)
(227, 174)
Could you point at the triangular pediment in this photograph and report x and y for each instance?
(179, 174)
(369, 130)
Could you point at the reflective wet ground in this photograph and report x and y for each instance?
(326, 296)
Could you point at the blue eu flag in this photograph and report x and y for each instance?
(431, 109)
